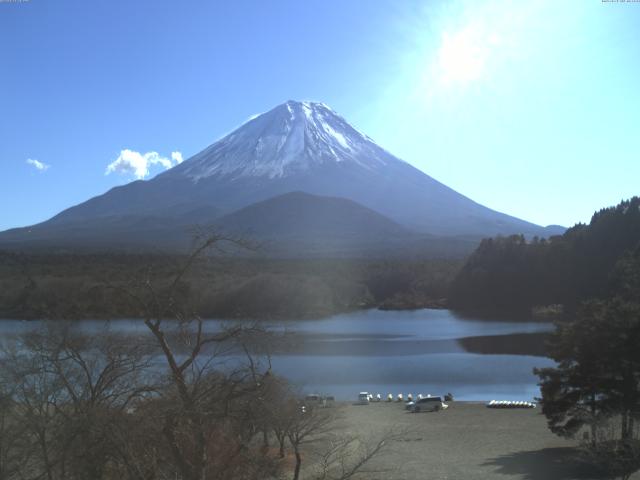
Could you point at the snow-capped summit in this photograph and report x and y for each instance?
(289, 139)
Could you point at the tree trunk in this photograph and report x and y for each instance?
(594, 427)
(45, 454)
(201, 452)
(296, 473)
(625, 425)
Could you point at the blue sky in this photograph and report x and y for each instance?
(530, 108)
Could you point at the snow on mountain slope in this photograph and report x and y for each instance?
(291, 138)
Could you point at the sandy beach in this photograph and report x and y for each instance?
(466, 441)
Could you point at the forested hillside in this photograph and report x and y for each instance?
(512, 275)
(95, 286)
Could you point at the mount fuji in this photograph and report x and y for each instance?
(301, 147)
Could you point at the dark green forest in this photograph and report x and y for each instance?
(94, 285)
(512, 275)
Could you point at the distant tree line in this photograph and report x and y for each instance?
(508, 275)
(75, 286)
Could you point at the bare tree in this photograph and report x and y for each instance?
(203, 407)
(347, 456)
(276, 410)
(185, 400)
(335, 456)
(68, 390)
(306, 425)
(12, 439)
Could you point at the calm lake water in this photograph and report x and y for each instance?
(385, 352)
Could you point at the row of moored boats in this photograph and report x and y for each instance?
(370, 397)
(510, 404)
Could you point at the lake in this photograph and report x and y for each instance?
(386, 352)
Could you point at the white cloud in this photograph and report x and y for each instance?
(40, 166)
(177, 157)
(138, 164)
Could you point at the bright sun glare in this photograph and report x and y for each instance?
(476, 41)
(463, 55)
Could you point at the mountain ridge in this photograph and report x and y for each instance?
(294, 147)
